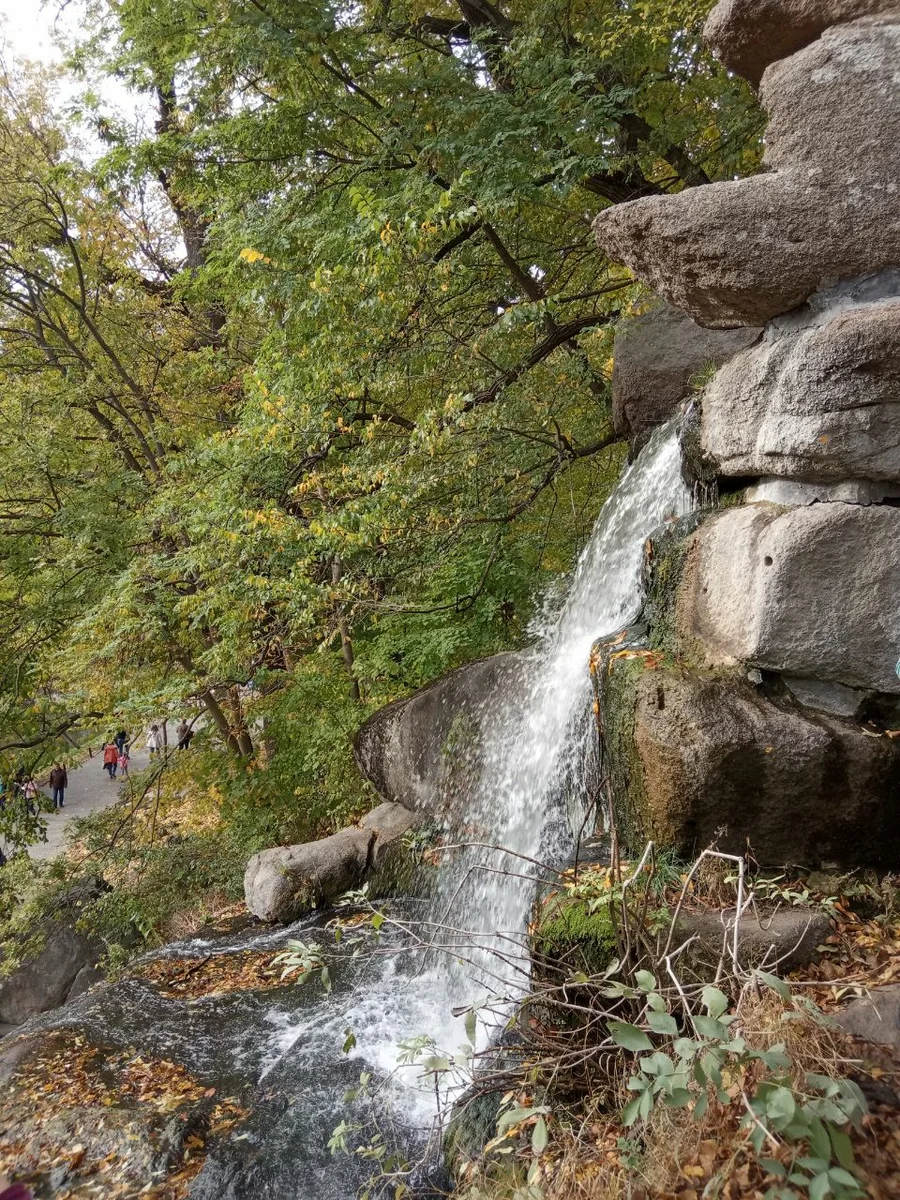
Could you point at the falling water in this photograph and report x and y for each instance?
(538, 758)
(284, 1048)
(537, 763)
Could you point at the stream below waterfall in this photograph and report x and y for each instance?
(283, 1047)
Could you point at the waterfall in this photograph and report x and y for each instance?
(283, 1049)
(537, 763)
(538, 760)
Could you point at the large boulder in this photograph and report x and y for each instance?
(741, 253)
(818, 398)
(283, 883)
(749, 35)
(423, 751)
(813, 592)
(657, 357)
(698, 757)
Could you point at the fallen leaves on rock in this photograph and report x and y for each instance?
(858, 956)
(214, 975)
(79, 1122)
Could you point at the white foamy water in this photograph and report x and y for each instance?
(537, 768)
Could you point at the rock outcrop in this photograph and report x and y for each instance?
(657, 358)
(698, 758)
(818, 398)
(748, 35)
(423, 751)
(763, 708)
(741, 253)
(283, 883)
(46, 979)
(811, 591)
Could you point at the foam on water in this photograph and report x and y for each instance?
(537, 764)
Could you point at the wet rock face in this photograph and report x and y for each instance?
(703, 753)
(812, 591)
(422, 752)
(656, 359)
(749, 35)
(817, 399)
(741, 253)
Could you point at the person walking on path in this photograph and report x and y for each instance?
(110, 759)
(123, 762)
(184, 734)
(59, 781)
(153, 741)
(29, 791)
(121, 739)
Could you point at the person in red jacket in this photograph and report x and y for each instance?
(110, 758)
(59, 781)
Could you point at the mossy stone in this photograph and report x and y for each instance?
(573, 935)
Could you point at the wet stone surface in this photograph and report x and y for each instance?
(230, 1092)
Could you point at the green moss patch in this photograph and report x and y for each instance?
(573, 935)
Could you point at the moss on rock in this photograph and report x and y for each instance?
(573, 935)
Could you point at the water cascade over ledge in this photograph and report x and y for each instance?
(283, 1049)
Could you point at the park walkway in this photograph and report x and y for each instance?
(90, 790)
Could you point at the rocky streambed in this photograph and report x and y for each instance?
(202, 1073)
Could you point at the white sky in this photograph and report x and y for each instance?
(27, 28)
(31, 29)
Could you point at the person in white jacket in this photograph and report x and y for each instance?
(153, 740)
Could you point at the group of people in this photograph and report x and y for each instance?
(116, 751)
(116, 756)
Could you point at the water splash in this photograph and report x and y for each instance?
(538, 756)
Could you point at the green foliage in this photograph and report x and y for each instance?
(685, 1068)
(309, 387)
(301, 961)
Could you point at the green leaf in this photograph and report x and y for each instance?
(776, 984)
(711, 1027)
(842, 1146)
(645, 981)
(662, 1022)
(773, 1167)
(471, 1025)
(629, 1037)
(377, 921)
(349, 1041)
(630, 1112)
(539, 1136)
(714, 1001)
(780, 1106)
(844, 1178)
(820, 1187)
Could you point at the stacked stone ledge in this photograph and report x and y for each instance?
(766, 706)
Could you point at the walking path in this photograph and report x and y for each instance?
(90, 790)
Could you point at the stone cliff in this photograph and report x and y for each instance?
(767, 703)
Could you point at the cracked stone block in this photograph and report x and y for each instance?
(743, 252)
(748, 35)
(812, 592)
(818, 398)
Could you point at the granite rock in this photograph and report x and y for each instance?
(743, 252)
